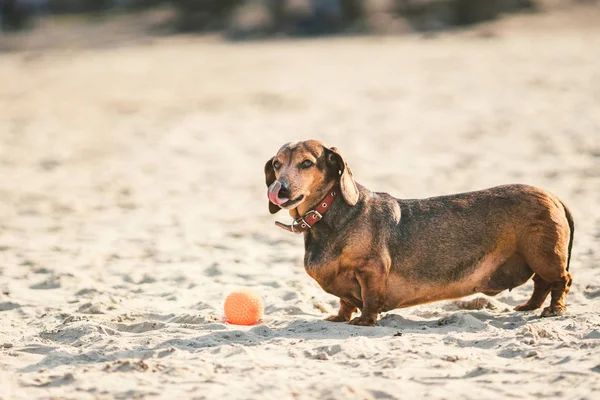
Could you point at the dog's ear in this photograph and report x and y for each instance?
(347, 184)
(269, 179)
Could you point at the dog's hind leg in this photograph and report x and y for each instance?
(546, 247)
(559, 291)
(541, 289)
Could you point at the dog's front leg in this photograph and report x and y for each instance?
(345, 312)
(372, 278)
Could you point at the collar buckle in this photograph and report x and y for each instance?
(314, 214)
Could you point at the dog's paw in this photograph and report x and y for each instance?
(336, 318)
(361, 321)
(553, 311)
(525, 307)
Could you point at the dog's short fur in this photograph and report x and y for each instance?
(377, 253)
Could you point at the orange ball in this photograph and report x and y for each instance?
(244, 307)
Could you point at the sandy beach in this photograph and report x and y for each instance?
(132, 201)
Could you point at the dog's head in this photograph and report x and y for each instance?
(301, 173)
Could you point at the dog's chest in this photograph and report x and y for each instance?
(334, 278)
(319, 265)
(323, 263)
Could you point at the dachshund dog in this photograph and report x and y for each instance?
(378, 253)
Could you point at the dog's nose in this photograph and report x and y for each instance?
(284, 192)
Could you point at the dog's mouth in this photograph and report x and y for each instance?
(292, 203)
(275, 196)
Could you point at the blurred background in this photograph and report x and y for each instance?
(78, 21)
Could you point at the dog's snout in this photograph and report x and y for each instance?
(278, 192)
(285, 190)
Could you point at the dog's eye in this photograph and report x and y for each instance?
(306, 164)
(276, 164)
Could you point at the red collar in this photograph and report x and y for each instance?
(303, 224)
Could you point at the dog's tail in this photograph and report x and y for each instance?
(571, 228)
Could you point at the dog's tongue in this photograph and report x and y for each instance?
(273, 194)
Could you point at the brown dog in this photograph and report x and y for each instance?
(377, 253)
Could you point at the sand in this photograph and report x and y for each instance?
(133, 201)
